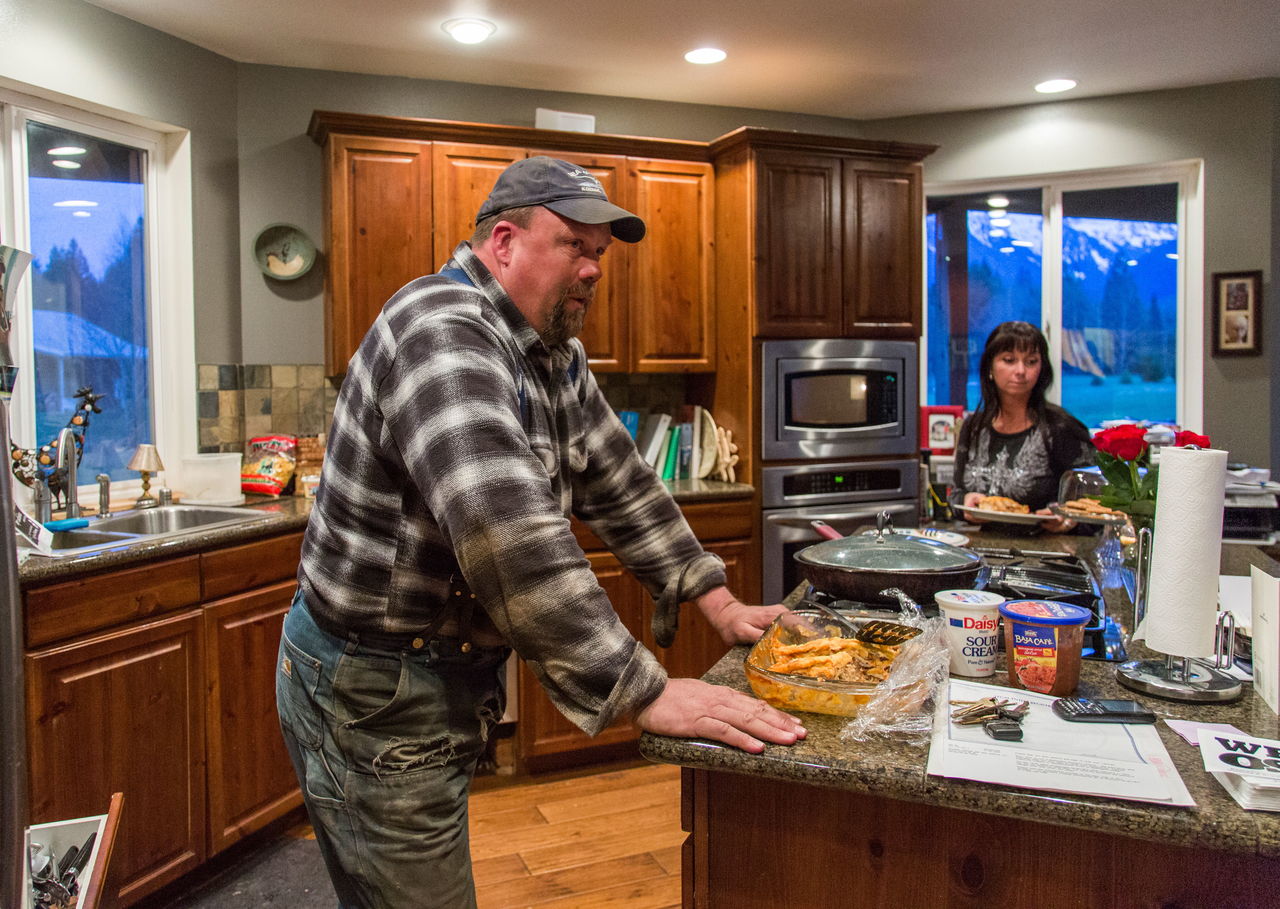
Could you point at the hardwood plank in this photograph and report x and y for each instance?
(669, 859)
(658, 893)
(665, 793)
(532, 794)
(625, 840)
(578, 881)
(503, 822)
(493, 872)
(577, 832)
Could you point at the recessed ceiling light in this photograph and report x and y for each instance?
(997, 213)
(1023, 243)
(1131, 263)
(998, 201)
(75, 203)
(1000, 222)
(1171, 255)
(67, 165)
(469, 31)
(705, 55)
(998, 232)
(67, 150)
(1056, 85)
(80, 214)
(1006, 249)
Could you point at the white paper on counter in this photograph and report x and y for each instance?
(1182, 601)
(1265, 632)
(1190, 730)
(1118, 760)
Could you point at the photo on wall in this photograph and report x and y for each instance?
(1237, 313)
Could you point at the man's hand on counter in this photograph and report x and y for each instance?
(689, 708)
(736, 622)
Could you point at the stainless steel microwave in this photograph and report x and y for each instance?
(838, 398)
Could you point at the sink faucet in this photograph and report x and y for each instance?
(67, 459)
(104, 494)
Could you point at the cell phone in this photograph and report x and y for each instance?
(1102, 710)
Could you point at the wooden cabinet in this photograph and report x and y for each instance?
(162, 687)
(124, 712)
(402, 193)
(836, 250)
(544, 738)
(378, 227)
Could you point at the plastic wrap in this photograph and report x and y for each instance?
(902, 705)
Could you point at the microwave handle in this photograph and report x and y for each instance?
(855, 514)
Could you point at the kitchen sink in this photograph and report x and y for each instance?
(148, 525)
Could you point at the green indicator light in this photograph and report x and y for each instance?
(838, 479)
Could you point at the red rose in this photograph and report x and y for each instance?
(1126, 442)
(1187, 437)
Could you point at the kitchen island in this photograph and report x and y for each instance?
(828, 822)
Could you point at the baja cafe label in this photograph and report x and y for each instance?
(1242, 754)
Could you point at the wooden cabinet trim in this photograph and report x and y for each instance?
(237, 568)
(72, 608)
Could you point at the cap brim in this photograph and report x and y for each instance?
(622, 224)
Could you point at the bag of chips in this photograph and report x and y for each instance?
(269, 465)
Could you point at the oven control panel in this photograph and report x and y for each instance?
(857, 481)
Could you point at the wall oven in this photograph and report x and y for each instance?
(847, 495)
(838, 398)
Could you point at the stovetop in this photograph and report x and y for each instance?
(1024, 574)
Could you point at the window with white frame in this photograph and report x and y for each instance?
(105, 307)
(1107, 263)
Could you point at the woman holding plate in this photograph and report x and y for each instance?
(1017, 444)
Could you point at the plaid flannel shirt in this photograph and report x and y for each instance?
(461, 444)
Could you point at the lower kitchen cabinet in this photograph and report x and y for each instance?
(124, 712)
(176, 711)
(250, 779)
(545, 740)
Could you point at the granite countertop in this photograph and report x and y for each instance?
(896, 770)
(279, 515)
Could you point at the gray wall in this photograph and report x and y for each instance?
(281, 169)
(79, 51)
(1232, 127)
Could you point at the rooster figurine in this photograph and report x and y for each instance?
(39, 465)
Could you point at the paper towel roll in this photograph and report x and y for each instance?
(1182, 606)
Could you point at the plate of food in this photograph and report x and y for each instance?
(1001, 508)
(1089, 511)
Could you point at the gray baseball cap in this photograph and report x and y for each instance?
(566, 189)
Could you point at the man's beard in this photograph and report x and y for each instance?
(563, 324)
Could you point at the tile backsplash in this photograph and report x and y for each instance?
(237, 402)
(240, 401)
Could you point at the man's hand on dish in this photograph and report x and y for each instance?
(736, 622)
(689, 708)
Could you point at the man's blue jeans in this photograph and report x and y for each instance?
(385, 744)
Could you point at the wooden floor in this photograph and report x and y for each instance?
(601, 841)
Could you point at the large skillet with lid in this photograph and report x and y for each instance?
(860, 567)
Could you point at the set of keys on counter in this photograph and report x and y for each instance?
(1000, 718)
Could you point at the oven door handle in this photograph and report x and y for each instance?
(803, 521)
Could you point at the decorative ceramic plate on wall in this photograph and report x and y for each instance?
(284, 252)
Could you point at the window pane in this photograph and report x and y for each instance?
(984, 267)
(87, 201)
(1119, 303)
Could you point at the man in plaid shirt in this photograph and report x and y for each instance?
(467, 431)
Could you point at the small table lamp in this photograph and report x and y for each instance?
(146, 460)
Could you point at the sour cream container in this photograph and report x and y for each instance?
(973, 623)
(1043, 641)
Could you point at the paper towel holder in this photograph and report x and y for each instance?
(1179, 678)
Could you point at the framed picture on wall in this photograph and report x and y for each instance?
(938, 426)
(1237, 313)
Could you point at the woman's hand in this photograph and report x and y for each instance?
(971, 500)
(1059, 524)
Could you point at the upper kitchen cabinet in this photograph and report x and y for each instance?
(378, 230)
(403, 192)
(821, 234)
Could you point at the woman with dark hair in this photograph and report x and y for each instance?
(1017, 444)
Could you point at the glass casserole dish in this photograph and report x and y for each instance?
(790, 691)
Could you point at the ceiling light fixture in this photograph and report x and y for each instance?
(1052, 86)
(998, 201)
(469, 31)
(81, 214)
(67, 150)
(66, 165)
(997, 213)
(75, 203)
(1000, 222)
(706, 55)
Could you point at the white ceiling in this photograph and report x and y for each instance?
(861, 59)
